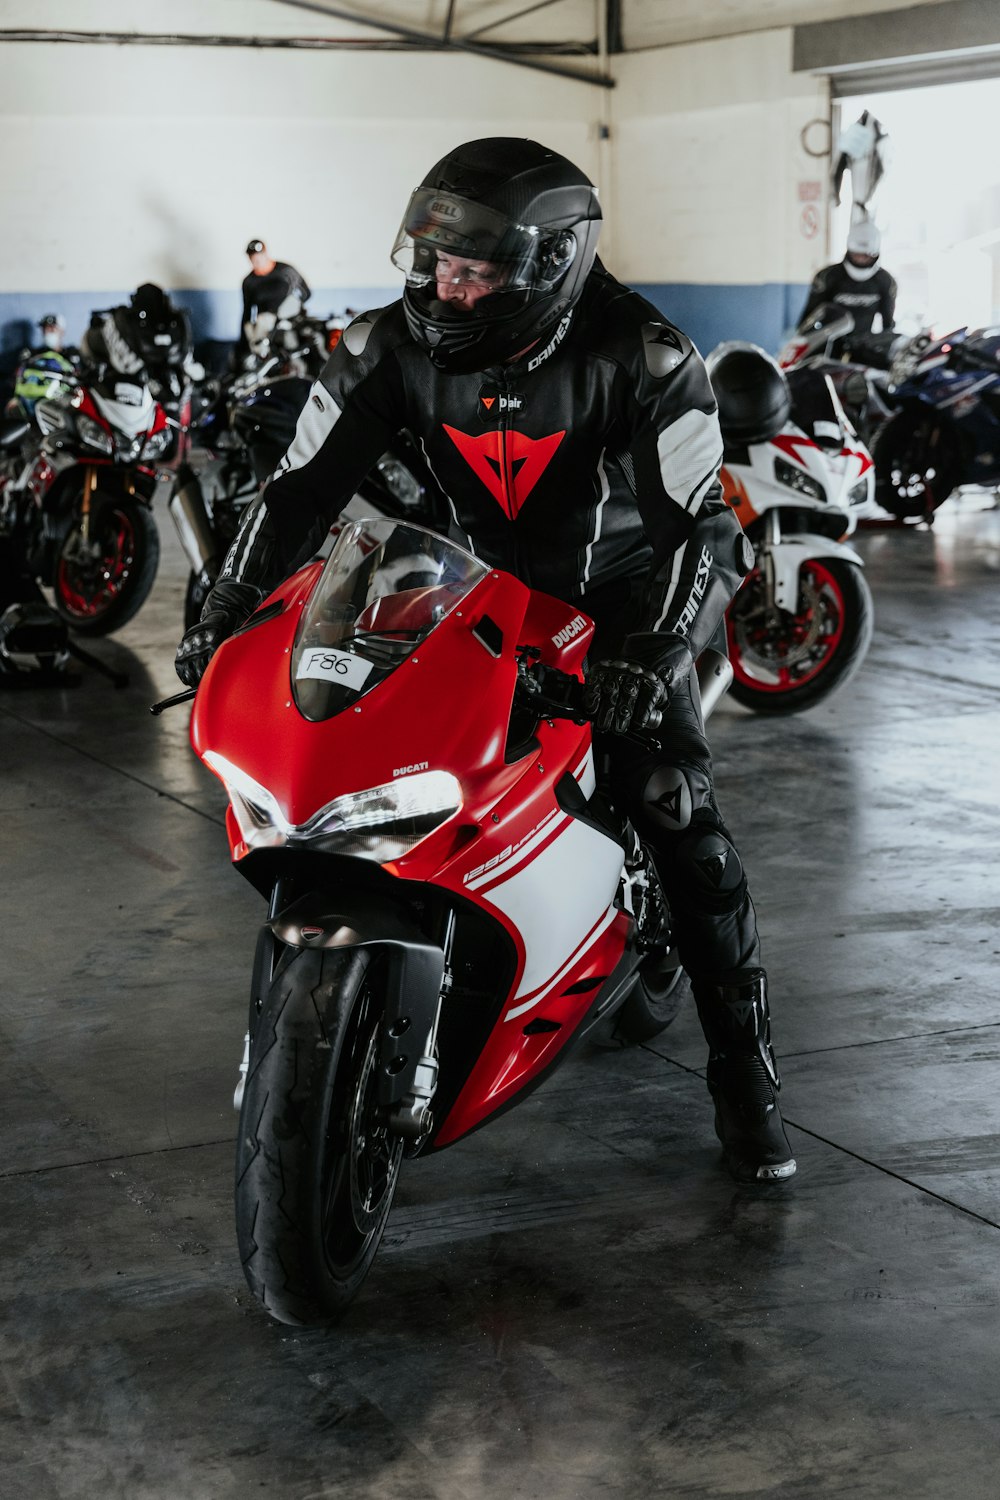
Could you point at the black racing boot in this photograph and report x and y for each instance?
(743, 1076)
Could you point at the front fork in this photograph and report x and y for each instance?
(89, 481)
(406, 1086)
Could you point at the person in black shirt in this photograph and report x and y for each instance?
(272, 290)
(575, 434)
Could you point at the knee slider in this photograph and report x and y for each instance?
(707, 860)
(673, 795)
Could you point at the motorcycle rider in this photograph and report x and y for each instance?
(574, 431)
(857, 284)
(272, 289)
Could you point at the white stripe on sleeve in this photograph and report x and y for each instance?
(690, 453)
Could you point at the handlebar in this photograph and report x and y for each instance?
(558, 695)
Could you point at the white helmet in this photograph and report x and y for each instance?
(863, 245)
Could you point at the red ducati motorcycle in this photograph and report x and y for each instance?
(81, 498)
(452, 899)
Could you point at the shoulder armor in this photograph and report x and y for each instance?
(665, 347)
(356, 335)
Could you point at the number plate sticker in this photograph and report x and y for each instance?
(323, 664)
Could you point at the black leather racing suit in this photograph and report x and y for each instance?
(589, 469)
(862, 299)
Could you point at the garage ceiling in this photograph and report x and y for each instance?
(560, 36)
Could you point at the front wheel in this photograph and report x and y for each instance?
(104, 577)
(785, 661)
(917, 465)
(316, 1168)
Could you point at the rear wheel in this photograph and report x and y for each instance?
(785, 661)
(102, 579)
(316, 1168)
(917, 465)
(660, 986)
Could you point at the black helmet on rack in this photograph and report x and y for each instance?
(496, 244)
(752, 392)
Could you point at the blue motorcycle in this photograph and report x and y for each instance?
(946, 429)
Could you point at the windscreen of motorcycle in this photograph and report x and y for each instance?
(385, 587)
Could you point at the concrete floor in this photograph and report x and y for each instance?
(577, 1302)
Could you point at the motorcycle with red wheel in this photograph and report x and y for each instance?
(797, 476)
(77, 497)
(453, 901)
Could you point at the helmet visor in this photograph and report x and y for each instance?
(452, 248)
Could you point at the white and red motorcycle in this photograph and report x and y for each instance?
(797, 476)
(76, 497)
(453, 903)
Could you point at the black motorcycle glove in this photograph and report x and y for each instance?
(226, 608)
(627, 695)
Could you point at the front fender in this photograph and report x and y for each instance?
(411, 982)
(784, 560)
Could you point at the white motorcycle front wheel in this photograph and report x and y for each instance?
(789, 659)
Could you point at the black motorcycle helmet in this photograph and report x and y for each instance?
(752, 392)
(522, 224)
(154, 328)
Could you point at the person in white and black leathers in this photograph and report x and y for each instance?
(575, 433)
(858, 284)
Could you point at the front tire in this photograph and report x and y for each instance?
(100, 583)
(917, 465)
(785, 661)
(316, 1170)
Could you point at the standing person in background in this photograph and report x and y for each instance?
(857, 284)
(273, 289)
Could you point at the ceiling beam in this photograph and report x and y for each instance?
(423, 39)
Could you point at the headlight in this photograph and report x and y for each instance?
(127, 449)
(787, 474)
(380, 823)
(93, 434)
(156, 443)
(858, 493)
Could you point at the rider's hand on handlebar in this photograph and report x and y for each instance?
(624, 697)
(227, 607)
(627, 695)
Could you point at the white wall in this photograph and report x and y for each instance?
(130, 163)
(710, 161)
(135, 163)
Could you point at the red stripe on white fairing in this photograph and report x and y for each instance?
(574, 958)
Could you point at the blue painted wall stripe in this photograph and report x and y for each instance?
(707, 314)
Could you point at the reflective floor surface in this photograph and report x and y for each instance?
(576, 1302)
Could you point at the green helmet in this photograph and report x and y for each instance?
(42, 376)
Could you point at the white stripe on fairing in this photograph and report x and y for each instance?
(688, 449)
(588, 943)
(314, 426)
(516, 857)
(598, 516)
(675, 574)
(554, 899)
